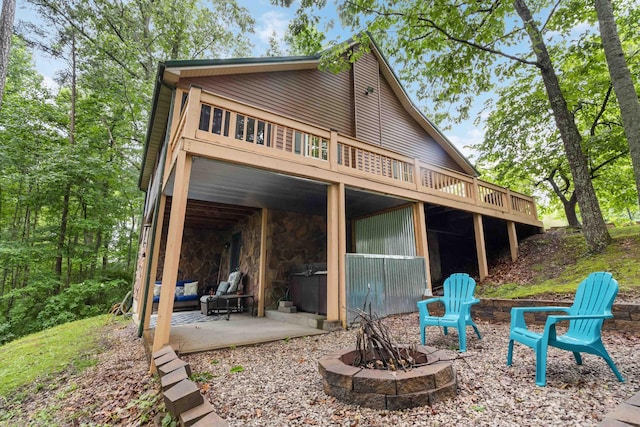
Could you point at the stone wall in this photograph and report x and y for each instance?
(200, 256)
(292, 239)
(626, 317)
(250, 230)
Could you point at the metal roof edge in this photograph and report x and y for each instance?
(204, 63)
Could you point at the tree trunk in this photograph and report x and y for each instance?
(622, 83)
(569, 205)
(594, 228)
(67, 193)
(6, 31)
(570, 211)
(64, 217)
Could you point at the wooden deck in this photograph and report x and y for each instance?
(215, 127)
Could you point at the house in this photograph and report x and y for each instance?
(331, 185)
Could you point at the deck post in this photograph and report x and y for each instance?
(172, 251)
(513, 240)
(153, 269)
(342, 252)
(336, 247)
(262, 274)
(333, 150)
(422, 246)
(483, 269)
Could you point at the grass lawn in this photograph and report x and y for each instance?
(561, 269)
(37, 356)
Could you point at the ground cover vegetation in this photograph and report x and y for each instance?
(48, 372)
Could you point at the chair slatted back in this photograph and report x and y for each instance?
(595, 295)
(458, 288)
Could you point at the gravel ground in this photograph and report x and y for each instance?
(278, 384)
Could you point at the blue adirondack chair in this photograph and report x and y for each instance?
(458, 299)
(592, 304)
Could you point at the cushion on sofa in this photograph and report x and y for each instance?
(191, 288)
(234, 281)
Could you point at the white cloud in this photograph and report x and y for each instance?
(51, 84)
(268, 23)
(466, 137)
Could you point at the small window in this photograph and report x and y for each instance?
(239, 127)
(205, 117)
(217, 121)
(314, 147)
(325, 150)
(251, 127)
(269, 135)
(260, 135)
(297, 148)
(227, 117)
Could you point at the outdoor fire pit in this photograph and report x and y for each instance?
(380, 373)
(432, 380)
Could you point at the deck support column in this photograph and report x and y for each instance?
(483, 269)
(513, 240)
(336, 249)
(262, 273)
(154, 255)
(173, 248)
(422, 246)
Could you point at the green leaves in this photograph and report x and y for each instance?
(236, 369)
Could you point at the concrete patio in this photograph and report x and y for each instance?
(193, 332)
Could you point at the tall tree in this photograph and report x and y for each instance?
(6, 31)
(523, 151)
(595, 229)
(452, 51)
(622, 83)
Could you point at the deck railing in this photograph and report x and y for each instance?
(224, 121)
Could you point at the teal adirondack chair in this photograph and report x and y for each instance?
(458, 299)
(592, 304)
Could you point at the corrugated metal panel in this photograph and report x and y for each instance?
(394, 283)
(320, 98)
(367, 111)
(389, 233)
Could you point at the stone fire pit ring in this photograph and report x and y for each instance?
(385, 389)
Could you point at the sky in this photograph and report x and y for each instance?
(270, 19)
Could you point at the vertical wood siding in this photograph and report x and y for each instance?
(321, 98)
(367, 113)
(400, 132)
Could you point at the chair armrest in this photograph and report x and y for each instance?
(555, 318)
(517, 314)
(550, 325)
(422, 305)
(470, 302)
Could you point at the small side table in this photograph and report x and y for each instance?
(238, 298)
